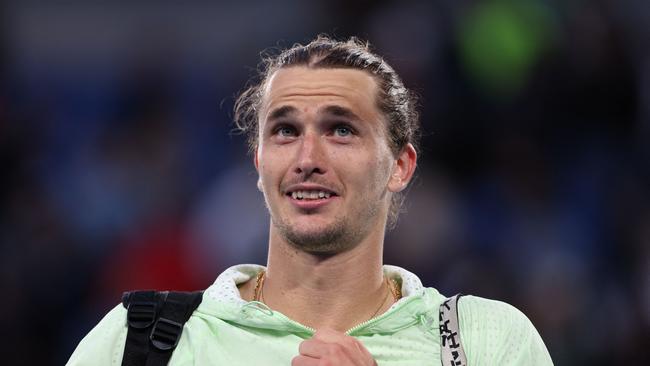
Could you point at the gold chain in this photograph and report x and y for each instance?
(394, 289)
(390, 283)
(259, 283)
(390, 291)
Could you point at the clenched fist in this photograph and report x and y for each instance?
(331, 348)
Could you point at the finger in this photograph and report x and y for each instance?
(313, 348)
(356, 350)
(301, 360)
(352, 347)
(363, 350)
(339, 345)
(322, 350)
(329, 335)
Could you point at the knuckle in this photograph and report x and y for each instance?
(337, 349)
(350, 342)
(303, 346)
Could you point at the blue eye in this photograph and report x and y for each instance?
(286, 131)
(343, 131)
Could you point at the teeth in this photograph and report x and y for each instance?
(311, 195)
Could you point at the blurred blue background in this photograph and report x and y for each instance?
(120, 171)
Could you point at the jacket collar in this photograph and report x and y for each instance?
(223, 300)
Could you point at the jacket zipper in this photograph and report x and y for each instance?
(375, 319)
(349, 331)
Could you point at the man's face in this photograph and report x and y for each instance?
(324, 163)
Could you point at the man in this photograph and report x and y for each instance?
(333, 131)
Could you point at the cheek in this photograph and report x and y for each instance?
(267, 174)
(270, 163)
(369, 172)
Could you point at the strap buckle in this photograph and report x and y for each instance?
(165, 334)
(141, 314)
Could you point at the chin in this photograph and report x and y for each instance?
(317, 236)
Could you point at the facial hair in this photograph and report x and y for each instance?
(346, 232)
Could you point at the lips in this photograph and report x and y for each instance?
(310, 196)
(309, 191)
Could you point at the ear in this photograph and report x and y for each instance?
(404, 168)
(256, 162)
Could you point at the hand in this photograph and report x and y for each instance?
(328, 348)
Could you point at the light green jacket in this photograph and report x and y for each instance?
(227, 330)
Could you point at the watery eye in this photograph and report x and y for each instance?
(343, 131)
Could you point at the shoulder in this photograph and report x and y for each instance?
(497, 331)
(481, 313)
(104, 345)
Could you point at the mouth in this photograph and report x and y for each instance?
(310, 195)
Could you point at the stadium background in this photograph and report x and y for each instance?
(119, 169)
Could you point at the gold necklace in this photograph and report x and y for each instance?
(381, 305)
(391, 284)
(395, 289)
(259, 283)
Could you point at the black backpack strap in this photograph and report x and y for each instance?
(451, 349)
(142, 311)
(155, 322)
(167, 330)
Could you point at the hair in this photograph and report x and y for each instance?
(394, 100)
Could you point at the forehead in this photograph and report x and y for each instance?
(351, 88)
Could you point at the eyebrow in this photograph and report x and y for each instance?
(282, 112)
(339, 111)
(334, 110)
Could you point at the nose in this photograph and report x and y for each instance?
(311, 156)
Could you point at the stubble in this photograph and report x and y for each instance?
(342, 234)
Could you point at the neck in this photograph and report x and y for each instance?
(336, 291)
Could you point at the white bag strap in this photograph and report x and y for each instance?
(451, 349)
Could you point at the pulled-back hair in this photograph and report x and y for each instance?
(397, 103)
